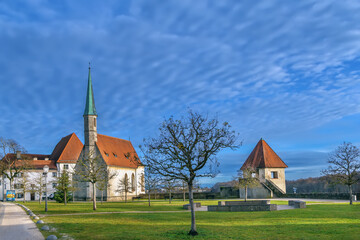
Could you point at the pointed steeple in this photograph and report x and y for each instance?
(90, 102)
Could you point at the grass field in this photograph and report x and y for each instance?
(321, 221)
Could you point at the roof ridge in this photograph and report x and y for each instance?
(71, 135)
(114, 137)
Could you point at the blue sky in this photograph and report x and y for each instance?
(287, 71)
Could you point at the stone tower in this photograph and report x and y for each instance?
(269, 167)
(90, 116)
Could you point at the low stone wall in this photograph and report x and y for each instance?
(297, 204)
(241, 206)
(187, 206)
(242, 203)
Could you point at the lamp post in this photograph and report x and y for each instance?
(46, 170)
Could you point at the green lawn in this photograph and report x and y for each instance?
(328, 221)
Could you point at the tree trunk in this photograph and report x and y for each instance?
(65, 200)
(239, 192)
(350, 192)
(246, 188)
(149, 197)
(170, 196)
(94, 196)
(193, 231)
(39, 198)
(184, 196)
(125, 196)
(102, 196)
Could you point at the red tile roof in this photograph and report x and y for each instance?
(115, 151)
(263, 157)
(34, 164)
(68, 149)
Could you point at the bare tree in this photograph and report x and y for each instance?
(12, 163)
(183, 187)
(149, 182)
(185, 146)
(25, 183)
(38, 187)
(344, 166)
(169, 185)
(91, 169)
(124, 186)
(105, 182)
(246, 179)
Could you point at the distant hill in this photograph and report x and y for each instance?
(317, 185)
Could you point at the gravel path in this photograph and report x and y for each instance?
(16, 224)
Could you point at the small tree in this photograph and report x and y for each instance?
(344, 166)
(185, 146)
(149, 181)
(64, 186)
(11, 163)
(124, 186)
(38, 187)
(91, 168)
(169, 185)
(25, 184)
(246, 179)
(184, 188)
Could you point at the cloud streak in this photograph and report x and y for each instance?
(272, 69)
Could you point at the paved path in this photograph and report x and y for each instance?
(16, 224)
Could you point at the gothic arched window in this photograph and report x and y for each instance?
(132, 182)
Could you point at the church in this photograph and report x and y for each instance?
(113, 152)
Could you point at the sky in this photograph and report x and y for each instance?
(285, 71)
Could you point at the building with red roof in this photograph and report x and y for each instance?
(269, 168)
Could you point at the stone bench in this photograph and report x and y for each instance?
(297, 203)
(187, 206)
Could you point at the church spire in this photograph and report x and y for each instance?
(90, 102)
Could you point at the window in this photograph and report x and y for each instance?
(274, 174)
(115, 155)
(19, 195)
(132, 182)
(54, 174)
(66, 166)
(94, 122)
(107, 154)
(18, 175)
(44, 185)
(18, 186)
(142, 182)
(54, 185)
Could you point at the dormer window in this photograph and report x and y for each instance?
(115, 155)
(107, 154)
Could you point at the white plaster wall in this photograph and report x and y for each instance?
(32, 176)
(280, 181)
(113, 191)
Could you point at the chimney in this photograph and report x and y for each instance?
(18, 155)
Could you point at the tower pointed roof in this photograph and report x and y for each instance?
(263, 157)
(90, 101)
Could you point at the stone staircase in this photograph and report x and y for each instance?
(274, 188)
